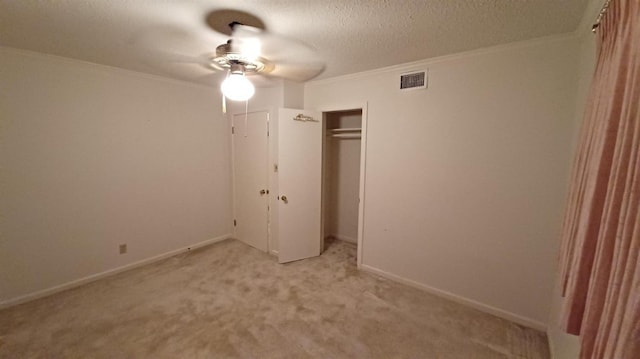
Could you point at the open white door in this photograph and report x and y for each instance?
(300, 184)
(250, 163)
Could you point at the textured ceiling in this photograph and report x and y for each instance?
(163, 37)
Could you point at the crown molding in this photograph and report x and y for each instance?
(101, 67)
(408, 66)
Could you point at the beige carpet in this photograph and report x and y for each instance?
(231, 301)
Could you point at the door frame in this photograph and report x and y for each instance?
(363, 166)
(234, 208)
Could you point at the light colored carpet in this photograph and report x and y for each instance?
(231, 301)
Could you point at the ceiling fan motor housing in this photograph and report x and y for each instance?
(226, 59)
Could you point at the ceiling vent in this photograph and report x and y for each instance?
(413, 80)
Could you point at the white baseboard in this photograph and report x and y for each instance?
(343, 238)
(527, 322)
(552, 344)
(561, 344)
(78, 282)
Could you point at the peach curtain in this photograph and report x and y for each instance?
(599, 258)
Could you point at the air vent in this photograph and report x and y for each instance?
(413, 81)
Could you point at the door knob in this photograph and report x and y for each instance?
(284, 199)
(262, 192)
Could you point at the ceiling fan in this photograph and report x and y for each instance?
(251, 50)
(241, 56)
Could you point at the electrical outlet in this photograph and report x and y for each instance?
(123, 248)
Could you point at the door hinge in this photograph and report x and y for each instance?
(234, 223)
(233, 130)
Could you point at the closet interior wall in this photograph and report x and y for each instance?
(342, 174)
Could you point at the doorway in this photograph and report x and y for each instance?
(250, 178)
(342, 171)
(316, 173)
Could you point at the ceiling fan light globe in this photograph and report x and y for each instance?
(237, 87)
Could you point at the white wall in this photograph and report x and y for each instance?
(342, 179)
(465, 182)
(563, 345)
(93, 157)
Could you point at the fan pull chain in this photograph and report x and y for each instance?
(224, 104)
(224, 98)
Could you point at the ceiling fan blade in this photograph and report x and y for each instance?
(178, 58)
(298, 72)
(261, 80)
(291, 59)
(177, 65)
(170, 48)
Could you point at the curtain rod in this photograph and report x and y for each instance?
(603, 11)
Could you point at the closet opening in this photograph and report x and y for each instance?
(343, 168)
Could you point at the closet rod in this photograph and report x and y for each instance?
(346, 135)
(339, 130)
(603, 10)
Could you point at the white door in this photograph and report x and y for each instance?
(250, 163)
(300, 184)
